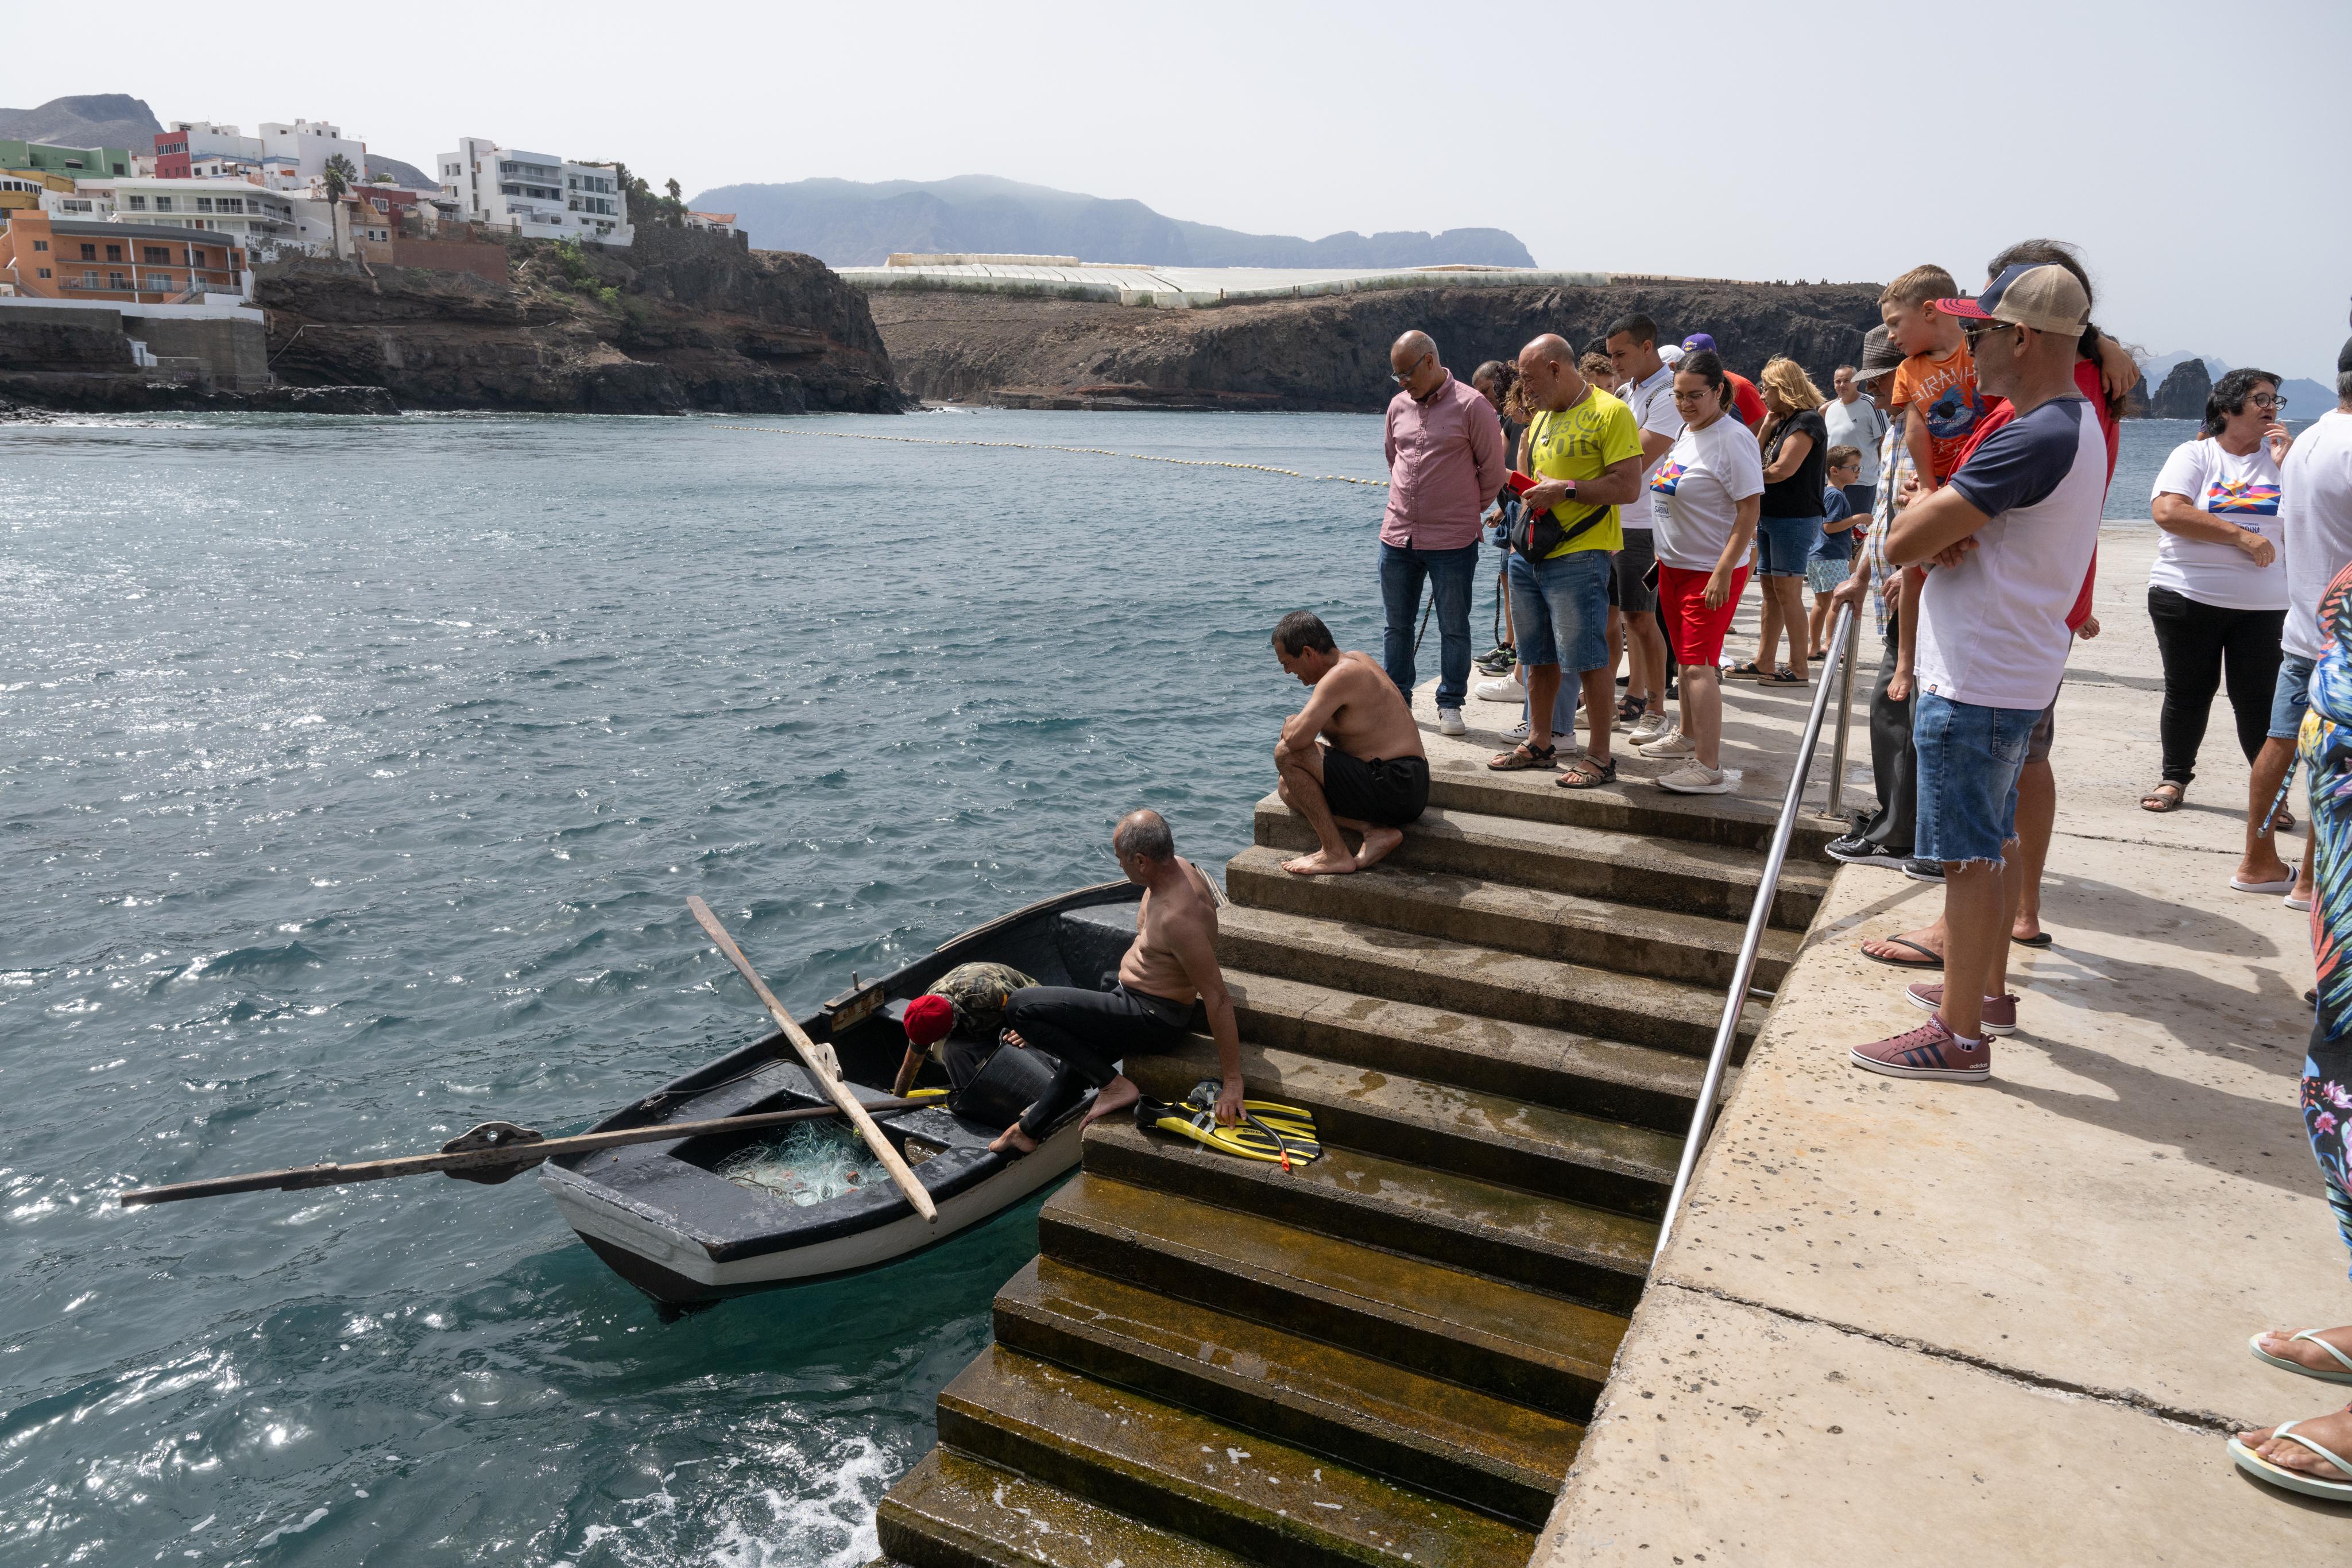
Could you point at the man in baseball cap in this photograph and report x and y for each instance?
(1746, 401)
(2042, 298)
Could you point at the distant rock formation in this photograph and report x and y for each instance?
(91, 119)
(845, 223)
(1326, 353)
(408, 175)
(2183, 393)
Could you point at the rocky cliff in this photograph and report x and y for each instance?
(681, 320)
(1328, 353)
(2182, 395)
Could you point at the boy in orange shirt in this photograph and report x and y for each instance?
(1936, 385)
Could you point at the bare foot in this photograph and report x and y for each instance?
(1111, 1099)
(1013, 1140)
(1378, 842)
(1322, 863)
(2332, 1431)
(2282, 1342)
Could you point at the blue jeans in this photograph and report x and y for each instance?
(1453, 572)
(1969, 760)
(1560, 611)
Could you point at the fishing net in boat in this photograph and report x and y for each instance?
(812, 1164)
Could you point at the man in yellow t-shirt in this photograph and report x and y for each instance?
(1585, 451)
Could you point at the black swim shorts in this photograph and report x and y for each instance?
(1390, 793)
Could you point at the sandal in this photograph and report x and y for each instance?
(1630, 711)
(2283, 821)
(1819, 655)
(1783, 676)
(1928, 957)
(1586, 774)
(2156, 799)
(1521, 758)
(1747, 672)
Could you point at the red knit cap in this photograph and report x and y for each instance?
(928, 1018)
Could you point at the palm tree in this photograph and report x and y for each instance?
(338, 177)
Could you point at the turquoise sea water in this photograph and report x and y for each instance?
(353, 775)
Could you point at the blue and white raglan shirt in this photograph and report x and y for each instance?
(1992, 630)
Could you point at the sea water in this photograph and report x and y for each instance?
(353, 775)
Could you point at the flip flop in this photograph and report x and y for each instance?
(1928, 957)
(2039, 939)
(2254, 1344)
(2262, 1470)
(2285, 885)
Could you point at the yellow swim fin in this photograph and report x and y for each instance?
(1276, 1135)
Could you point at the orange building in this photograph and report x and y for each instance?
(134, 262)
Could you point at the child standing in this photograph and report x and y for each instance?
(1833, 556)
(1935, 386)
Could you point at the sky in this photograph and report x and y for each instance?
(1839, 142)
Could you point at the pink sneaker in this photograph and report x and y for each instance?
(1931, 1050)
(2000, 1012)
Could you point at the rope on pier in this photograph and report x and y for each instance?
(1048, 447)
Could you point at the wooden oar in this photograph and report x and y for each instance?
(822, 1065)
(493, 1147)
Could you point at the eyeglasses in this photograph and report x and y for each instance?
(2267, 399)
(1682, 396)
(1973, 334)
(1409, 369)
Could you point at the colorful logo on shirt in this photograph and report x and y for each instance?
(1953, 414)
(1669, 476)
(2242, 496)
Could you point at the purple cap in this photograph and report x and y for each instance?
(1698, 343)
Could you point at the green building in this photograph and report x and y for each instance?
(75, 163)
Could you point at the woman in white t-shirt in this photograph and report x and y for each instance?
(2217, 591)
(1703, 501)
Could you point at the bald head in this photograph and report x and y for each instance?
(1548, 374)
(1413, 363)
(1143, 834)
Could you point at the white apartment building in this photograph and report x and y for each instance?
(307, 144)
(259, 219)
(205, 139)
(536, 194)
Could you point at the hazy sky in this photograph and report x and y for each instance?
(1815, 141)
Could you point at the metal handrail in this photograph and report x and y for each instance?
(1759, 916)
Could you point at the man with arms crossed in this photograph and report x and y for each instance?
(1373, 778)
(1171, 961)
(2011, 536)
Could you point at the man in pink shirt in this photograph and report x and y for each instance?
(1446, 465)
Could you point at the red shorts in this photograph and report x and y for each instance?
(1696, 632)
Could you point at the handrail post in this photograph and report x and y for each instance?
(1760, 917)
(1838, 746)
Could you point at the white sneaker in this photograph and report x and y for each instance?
(1501, 689)
(1695, 778)
(1674, 745)
(1654, 726)
(1449, 722)
(1516, 732)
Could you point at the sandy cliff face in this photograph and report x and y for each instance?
(1328, 353)
(681, 320)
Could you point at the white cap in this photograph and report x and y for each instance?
(1671, 353)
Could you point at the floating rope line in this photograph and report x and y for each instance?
(1048, 447)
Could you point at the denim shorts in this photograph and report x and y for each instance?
(1969, 760)
(1783, 545)
(1559, 609)
(2291, 696)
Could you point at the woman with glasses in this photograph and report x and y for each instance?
(2217, 591)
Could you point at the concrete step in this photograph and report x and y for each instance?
(1462, 976)
(1238, 1491)
(1663, 944)
(1629, 805)
(1489, 1453)
(1518, 1345)
(1713, 880)
(954, 1512)
(1638, 1084)
(1590, 1255)
(1537, 1148)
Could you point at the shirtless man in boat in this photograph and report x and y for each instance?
(1373, 778)
(1172, 962)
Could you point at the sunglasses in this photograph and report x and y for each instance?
(1982, 329)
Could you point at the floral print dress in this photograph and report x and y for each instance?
(2326, 746)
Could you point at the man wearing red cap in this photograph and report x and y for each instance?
(957, 1021)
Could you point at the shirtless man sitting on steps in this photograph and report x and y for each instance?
(1172, 960)
(1373, 778)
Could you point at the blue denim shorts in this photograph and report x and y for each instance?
(1783, 545)
(1969, 758)
(1559, 609)
(2291, 696)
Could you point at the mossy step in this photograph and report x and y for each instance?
(1519, 1345)
(1662, 943)
(954, 1512)
(1585, 1254)
(1239, 1491)
(1664, 874)
(1630, 805)
(1492, 1138)
(1634, 1084)
(1487, 1453)
(1464, 977)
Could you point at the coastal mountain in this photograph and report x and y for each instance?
(90, 119)
(2306, 398)
(407, 174)
(848, 223)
